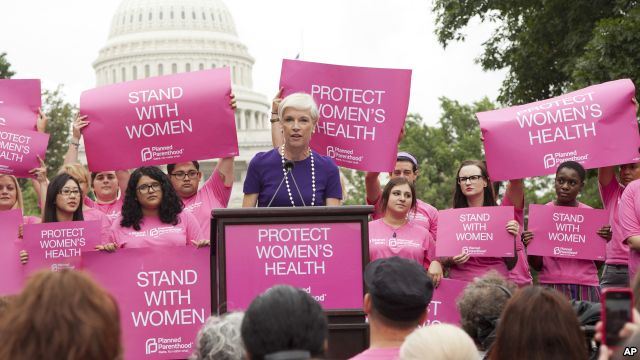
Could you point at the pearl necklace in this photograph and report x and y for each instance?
(313, 178)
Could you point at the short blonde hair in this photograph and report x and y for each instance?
(76, 171)
(19, 201)
(439, 342)
(299, 101)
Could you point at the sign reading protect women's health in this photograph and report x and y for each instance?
(323, 259)
(19, 150)
(160, 120)
(19, 103)
(567, 232)
(163, 294)
(595, 126)
(477, 231)
(362, 110)
(60, 245)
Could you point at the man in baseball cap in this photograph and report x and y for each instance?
(398, 293)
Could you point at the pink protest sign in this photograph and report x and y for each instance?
(19, 150)
(577, 126)
(362, 110)
(60, 245)
(442, 308)
(160, 120)
(11, 271)
(567, 232)
(477, 231)
(19, 103)
(323, 259)
(164, 296)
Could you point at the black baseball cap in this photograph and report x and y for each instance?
(400, 289)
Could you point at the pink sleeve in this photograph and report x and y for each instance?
(430, 254)
(215, 186)
(609, 191)
(377, 207)
(629, 211)
(433, 223)
(90, 203)
(192, 228)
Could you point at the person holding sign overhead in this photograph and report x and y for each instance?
(577, 279)
(396, 235)
(293, 174)
(152, 214)
(473, 189)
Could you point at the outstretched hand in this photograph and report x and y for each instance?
(78, 124)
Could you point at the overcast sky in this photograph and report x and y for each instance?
(57, 41)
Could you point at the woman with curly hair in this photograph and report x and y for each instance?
(152, 214)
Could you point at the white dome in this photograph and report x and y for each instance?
(159, 37)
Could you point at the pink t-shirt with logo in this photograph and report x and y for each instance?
(425, 215)
(154, 232)
(89, 214)
(213, 195)
(617, 250)
(568, 271)
(412, 242)
(111, 210)
(520, 274)
(378, 354)
(629, 211)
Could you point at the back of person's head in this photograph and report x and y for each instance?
(4, 303)
(539, 323)
(284, 319)
(219, 338)
(399, 291)
(61, 315)
(480, 306)
(438, 342)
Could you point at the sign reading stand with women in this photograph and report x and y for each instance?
(595, 126)
(477, 231)
(567, 232)
(19, 150)
(160, 120)
(325, 260)
(19, 103)
(163, 293)
(442, 308)
(362, 110)
(11, 270)
(60, 245)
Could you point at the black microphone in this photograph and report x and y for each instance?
(288, 166)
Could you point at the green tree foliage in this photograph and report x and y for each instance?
(5, 67)
(549, 46)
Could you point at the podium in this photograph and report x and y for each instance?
(321, 250)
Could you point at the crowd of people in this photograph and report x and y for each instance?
(286, 323)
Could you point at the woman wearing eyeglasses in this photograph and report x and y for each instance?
(577, 279)
(152, 214)
(63, 200)
(473, 189)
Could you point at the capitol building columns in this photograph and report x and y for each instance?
(160, 37)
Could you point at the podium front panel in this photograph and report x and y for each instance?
(323, 259)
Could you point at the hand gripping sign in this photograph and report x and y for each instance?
(160, 120)
(595, 126)
(19, 103)
(362, 110)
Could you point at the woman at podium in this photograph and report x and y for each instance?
(292, 174)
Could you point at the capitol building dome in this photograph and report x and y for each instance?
(160, 37)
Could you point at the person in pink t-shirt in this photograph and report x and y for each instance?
(152, 214)
(474, 189)
(577, 279)
(63, 200)
(214, 194)
(423, 214)
(396, 235)
(616, 270)
(629, 212)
